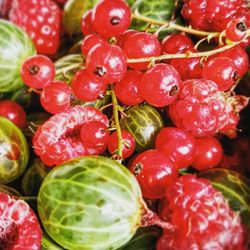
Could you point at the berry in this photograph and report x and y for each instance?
(128, 144)
(19, 226)
(58, 139)
(123, 37)
(106, 63)
(154, 171)
(38, 71)
(139, 45)
(90, 41)
(127, 89)
(56, 97)
(160, 85)
(87, 88)
(14, 112)
(5, 6)
(178, 145)
(41, 20)
(222, 71)
(208, 153)
(202, 217)
(176, 43)
(95, 135)
(236, 30)
(86, 23)
(111, 17)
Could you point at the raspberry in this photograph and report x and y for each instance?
(203, 110)
(58, 139)
(41, 20)
(5, 6)
(202, 217)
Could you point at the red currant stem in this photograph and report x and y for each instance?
(116, 108)
(106, 106)
(189, 54)
(149, 218)
(34, 90)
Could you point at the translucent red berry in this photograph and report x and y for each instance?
(160, 85)
(86, 23)
(38, 71)
(236, 30)
(111, 17)
(90, 41)
(123, 37)
(56, 97)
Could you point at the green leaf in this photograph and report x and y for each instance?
(48, 243)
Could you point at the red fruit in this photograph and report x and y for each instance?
(222, 71)
(38, 71)
(123, 37)
(62, 2)
(5, 6)
(155, 172)
(202, 217)
(86, 23)
(127, 89)
(87, 88)
(178, 145)
(162, 243)
(236, 30)
(19, 227)
(90, 41)
(14, 112)
(107, 63)
(139, 45)
(160, 85)
(56, 97)
(111, 17)
(58, 139)
(41, 20)
(128, 144)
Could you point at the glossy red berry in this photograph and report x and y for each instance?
(87, 88)
(155, 172)
(139, 45)
(222, 71)
(111, 17)
(107, 63)
(236, 30)
(123, 37)
(38, 71)
(56, 97)
(178, 145)
(127, 89)
(208, 153)
(14, 112)
(95, 135)
(86, 23)
(160, 85)
(128, 144)
(90, 41)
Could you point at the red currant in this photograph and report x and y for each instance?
(222, 71)
(56, 97)
(178, 145)
(14, 112)
(123, 37)
(127, 89)
(128, 144)
(38, 71)
(236, 30)
(155, 172)
(139, 45)
(90, 41)
(87, 88)
(208, 153)
(107, 63)
(162, 242)
(86, 23)
(111, 17)
(95, 135)
(160, 85)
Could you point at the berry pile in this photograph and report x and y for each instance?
(165, 106)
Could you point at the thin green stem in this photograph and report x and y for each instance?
(28, 198)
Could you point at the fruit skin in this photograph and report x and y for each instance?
(236, 30)
(5, 6)
(90, 41)
(202, 217)
(14, 112)
(23, 228)
(14, 151)
(91, 193)
(86, 23)
(178, 145)
(41, 20)
(144, 123)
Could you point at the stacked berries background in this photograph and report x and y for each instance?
(82, 86)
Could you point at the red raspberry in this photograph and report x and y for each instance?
(58, 139)
(19, 227)
(203, 110)
(5, 6)
(41, 20)
(202, 217)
